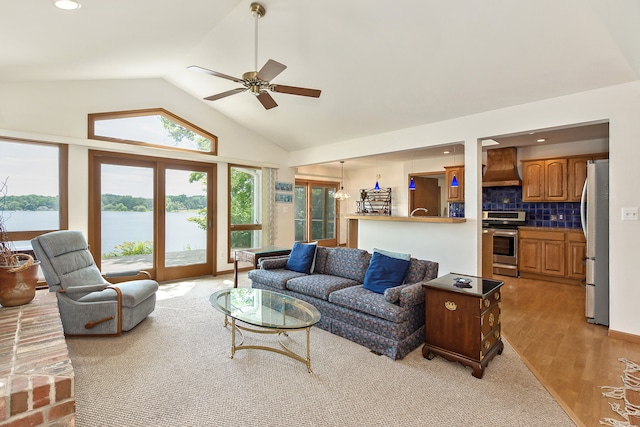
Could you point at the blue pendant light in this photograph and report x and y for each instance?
(377, 186)
(412, 184)
(454, 180)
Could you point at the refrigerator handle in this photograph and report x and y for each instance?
(583, 208)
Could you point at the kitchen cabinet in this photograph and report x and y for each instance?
(555, 179)
(576, 255)
(551, 254)
(542, 252)
(455, 194)
(578, 174)
(544, 180)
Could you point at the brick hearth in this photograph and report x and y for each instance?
(36, 376)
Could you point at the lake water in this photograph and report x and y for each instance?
(120, 227)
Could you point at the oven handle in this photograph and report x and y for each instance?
(505, 233)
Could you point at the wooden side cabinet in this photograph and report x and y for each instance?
(455, 194)
(463, 324)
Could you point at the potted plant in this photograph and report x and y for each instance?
(18, 272)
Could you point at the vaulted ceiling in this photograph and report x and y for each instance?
(381, 66)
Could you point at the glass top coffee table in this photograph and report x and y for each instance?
(272, 312)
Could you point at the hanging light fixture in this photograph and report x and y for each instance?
(412, 183)
(377, 186)
(454, 180)
(341, 194)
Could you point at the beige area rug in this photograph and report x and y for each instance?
(174, 370)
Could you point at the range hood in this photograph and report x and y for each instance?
(502, 168)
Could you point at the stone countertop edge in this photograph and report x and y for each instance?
(436, 219)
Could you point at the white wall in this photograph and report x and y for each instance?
(618, 104)
(57, 112)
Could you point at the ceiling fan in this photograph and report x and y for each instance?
(259, 82)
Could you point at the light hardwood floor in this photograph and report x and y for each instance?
(545, 323)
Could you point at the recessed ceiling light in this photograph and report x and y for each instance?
(541, 140)
(446, 152)
(66, 4)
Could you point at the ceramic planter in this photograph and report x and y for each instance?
(18, 283)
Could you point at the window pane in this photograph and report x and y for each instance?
(186, 218)
(32, 189)
(245, 239)
(127, 218)
(300, 207)
(323, 210)
(153, 129)
(246, 185)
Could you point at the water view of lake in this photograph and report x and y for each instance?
(120, 227)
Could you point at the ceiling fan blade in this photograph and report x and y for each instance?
(270, 70)
(214, 73)
(266, 100)
(225, 94)
(292, 90)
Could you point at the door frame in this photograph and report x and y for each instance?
(96, 158)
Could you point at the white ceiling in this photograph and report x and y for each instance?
(381, 66)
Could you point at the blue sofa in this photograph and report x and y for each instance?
(391, 323)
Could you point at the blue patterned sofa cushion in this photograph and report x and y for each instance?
(416, 271)
(360, 299)
(275, 278)
(349, 263)
(321, 259)
(319, 285)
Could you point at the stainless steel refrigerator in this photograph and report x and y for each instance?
(594, 211)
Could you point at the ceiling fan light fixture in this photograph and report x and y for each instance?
(67, 4)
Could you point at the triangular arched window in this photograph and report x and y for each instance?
(155, 127)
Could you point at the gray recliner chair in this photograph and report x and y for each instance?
(88, 304)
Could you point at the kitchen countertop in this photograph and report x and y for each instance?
(407, 218)
(532, 228)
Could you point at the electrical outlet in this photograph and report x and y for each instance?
(630, 214)
(221, 254)
(554, 217)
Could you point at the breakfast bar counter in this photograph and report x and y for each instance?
(352, 223)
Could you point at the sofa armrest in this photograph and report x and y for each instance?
(412, 295)
(273, 263)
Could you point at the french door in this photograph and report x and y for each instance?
(151, 214)
(316, 212)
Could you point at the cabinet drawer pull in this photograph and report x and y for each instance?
(492, 319)
(450, 305)
(487, 303)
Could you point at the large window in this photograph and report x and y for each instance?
(151, 127)
(33, 188)
(316, 212)
(245, 208)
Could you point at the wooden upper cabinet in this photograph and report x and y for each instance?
(556, 180)
(533, 181)
(577, 177)
(455, 194)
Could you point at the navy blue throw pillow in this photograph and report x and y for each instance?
(384, 272)
(301, 257)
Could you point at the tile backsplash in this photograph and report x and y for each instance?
(539, 214)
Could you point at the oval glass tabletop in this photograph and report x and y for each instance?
(266, 309)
